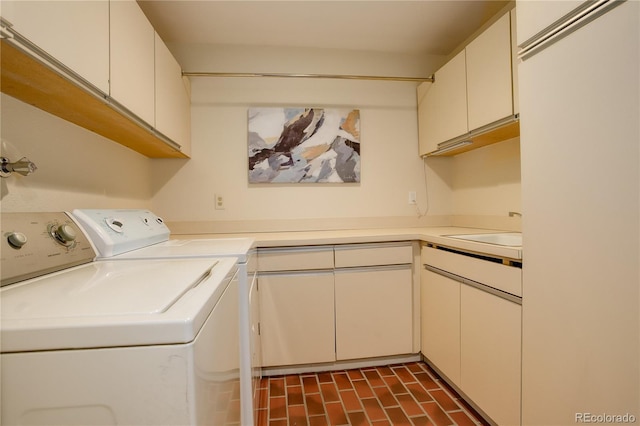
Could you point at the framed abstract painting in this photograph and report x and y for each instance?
(304, 145)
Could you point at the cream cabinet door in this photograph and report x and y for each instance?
(374, 312)
(489, 81)
(255, 343)
(297, 318)
(425, 146)
(442, 111)
(173, 103)
(76, 33)
(132, 59)
(490, 362)
(254, 321)
(440, 322)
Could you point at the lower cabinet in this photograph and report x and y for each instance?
(490, 330)
(373, 312)
(297, 318)
(322, 304)
(255, 343)
(472, 332)
(440, 304)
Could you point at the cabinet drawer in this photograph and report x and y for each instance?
(295, 259)
(502, 277)
(352, 255)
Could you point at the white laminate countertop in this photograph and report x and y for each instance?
(436, 235)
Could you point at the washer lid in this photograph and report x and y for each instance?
(206, 247)
(108, 303)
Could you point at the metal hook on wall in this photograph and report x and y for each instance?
(23, 166)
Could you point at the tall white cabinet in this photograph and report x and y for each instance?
(580, 143)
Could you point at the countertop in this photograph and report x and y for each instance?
(436, 235)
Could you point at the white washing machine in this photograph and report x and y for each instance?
(86, 342)
(114, 233)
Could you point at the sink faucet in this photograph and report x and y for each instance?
(512, 214)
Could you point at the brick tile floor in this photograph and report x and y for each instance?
(401, 394)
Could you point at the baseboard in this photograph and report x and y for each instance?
(340, 365)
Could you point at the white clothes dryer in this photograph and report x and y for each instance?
(88, 342)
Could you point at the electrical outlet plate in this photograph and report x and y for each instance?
(412, 197)
(219, 202)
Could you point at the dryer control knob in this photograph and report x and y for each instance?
(17, 239)
(65, 233)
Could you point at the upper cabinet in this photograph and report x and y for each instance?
(489, 87)
(76, 33)
(471, 101)
(442, 110)
(100, 65)
(172, 95)
(132, 59)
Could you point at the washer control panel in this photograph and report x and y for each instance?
(35, 244)
(117, 231)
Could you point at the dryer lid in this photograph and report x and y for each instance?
(103, 288)
(109, 303)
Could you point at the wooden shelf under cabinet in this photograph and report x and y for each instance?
(28, 80)
(504, 133)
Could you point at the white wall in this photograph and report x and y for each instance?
(76, 168)
(487, 182)
(390, 166)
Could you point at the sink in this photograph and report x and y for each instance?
(502, 238)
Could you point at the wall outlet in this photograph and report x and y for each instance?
(412, 197)
(219, 200)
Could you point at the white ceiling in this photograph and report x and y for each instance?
(394, 26)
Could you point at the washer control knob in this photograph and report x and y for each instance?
(64, 233)
(17, 239)
(115, 224)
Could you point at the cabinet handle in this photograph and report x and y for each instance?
(483, 287)
(373, 268)
(295, 273)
